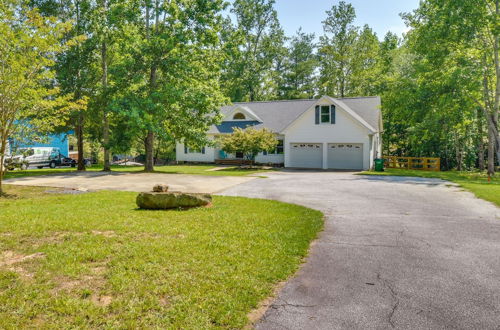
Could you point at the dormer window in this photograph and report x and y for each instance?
(325, 114)
(239, 116)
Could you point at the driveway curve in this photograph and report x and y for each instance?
(396, 252)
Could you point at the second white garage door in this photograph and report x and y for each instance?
(345, 156)
(306, 155)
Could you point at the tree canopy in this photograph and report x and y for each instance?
(143, 73)
(248, 141)
(29, 97)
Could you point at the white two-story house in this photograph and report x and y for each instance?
(327, 133)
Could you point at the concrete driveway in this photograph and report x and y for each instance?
(127, 181)
(405, 253)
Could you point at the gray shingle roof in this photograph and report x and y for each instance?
(367, 108)
(277, 115)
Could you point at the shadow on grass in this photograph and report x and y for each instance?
(5, 196)
(22, 174)
(177, 209)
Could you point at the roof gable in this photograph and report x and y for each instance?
(245, 110)
(278, 115)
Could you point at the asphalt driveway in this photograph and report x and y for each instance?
(406, 253)
(127, 181)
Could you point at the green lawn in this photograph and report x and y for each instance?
(476, 182)
(94, 261)
(173, 169)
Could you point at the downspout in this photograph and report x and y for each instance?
(372, 151)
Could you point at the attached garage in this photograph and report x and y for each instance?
(306, 155)
(345, 156)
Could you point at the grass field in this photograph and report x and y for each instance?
(476, 182)
(94, 261)
(172, 169)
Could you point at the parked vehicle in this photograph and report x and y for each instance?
(86, 161)
(40, 157)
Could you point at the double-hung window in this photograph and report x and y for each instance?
(325, 114)
(279, 150)
(188, 150)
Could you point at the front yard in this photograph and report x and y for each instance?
(93, 260)
(210, 170)
(476, 182)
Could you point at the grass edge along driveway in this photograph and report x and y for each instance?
(94, 261)
(475, 182)
(207, 170)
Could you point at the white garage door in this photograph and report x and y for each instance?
(306, 155)
(345, 156)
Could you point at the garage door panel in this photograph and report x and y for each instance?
(345, 156)
(306, 155)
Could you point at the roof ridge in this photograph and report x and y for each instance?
(356, 97)
(303, 100)
(275, 101)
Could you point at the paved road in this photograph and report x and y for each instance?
(403, 253)
(133, 181)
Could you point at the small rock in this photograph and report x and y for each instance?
(172, 200)
(160, 188)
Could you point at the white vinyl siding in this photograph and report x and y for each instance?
(194, 155)
(345, 130)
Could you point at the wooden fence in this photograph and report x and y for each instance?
(413, 163)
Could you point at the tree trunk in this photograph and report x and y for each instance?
(480, 141)
(149, 140)
(458, 155)
(494, 130)
(491, 151)
(3, 146)
(105, 142)
(78, 94)
(105, 127)
(149, 146)
(480, 155)
(79, 142)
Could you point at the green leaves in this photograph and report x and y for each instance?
(348, 55)
(28, 90)
(431, 103)
(254, 49)
(249, 141)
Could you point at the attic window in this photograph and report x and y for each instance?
(239, 116)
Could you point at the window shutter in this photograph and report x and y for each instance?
(203, 150)
(332, 114)
(317, 115)
(185, 149)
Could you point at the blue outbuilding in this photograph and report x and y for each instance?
(54, 140)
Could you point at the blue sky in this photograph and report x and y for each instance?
(380, 15)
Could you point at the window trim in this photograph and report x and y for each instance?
(328, 108)
(322, 117)
(239, 113)
(188, 150)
